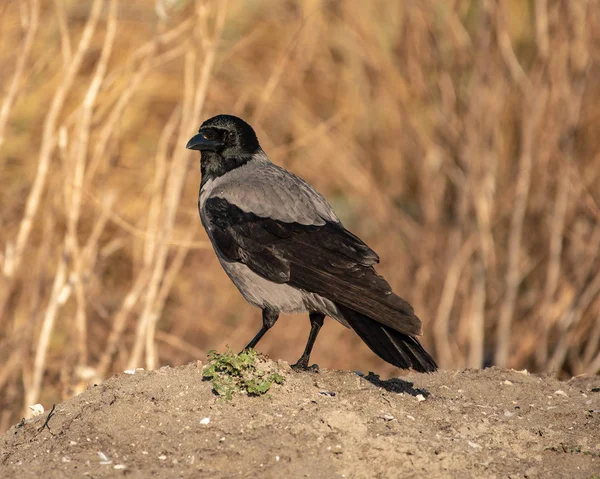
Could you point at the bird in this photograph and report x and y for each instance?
(286, 251)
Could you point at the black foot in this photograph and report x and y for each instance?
(301, 366)
(269, 317)
(316, 321)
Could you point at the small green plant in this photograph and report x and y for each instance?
(237, 374)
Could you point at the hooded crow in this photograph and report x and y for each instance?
(285, 249)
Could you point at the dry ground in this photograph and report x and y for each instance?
(463, 423)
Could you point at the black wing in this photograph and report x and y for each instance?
(327, 260)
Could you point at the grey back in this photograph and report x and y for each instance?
(268, 191)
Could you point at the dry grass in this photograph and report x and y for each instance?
(458, 138)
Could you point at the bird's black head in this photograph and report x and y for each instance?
(225, 135)
(226, 142)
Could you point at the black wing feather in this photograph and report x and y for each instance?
(326, 259)
(401, 350)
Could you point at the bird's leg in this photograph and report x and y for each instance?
(269, 317)
(316, 321)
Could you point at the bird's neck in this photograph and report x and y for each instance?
(213, 165)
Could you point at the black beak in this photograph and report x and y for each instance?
(199, 142)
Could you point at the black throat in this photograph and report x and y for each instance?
(213, 165)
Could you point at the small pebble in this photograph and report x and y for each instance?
(205, 420)
(327, 393)
(36, 410)
(420, 397)
(104, 460)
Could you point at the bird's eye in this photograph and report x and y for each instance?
(230, 135)
(210, 134)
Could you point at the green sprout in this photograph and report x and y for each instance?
(232, 374)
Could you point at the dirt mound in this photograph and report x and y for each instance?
(169, 423)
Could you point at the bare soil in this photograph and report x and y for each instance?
(169, 423)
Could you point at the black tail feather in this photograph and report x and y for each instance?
(396, 348)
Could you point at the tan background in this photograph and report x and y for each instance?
(459, 139)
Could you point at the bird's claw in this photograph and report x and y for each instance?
(301, 366)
